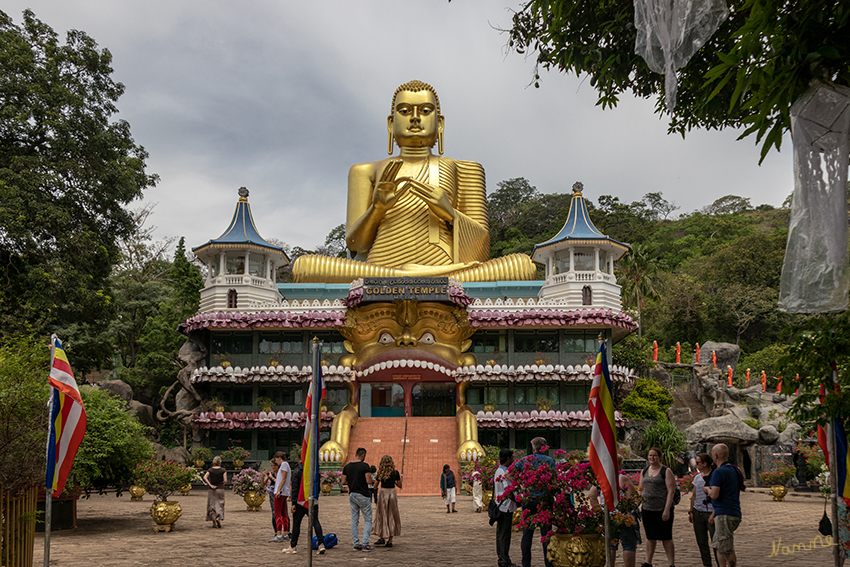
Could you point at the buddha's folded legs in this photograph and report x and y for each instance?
(313, 268)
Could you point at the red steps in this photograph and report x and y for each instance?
(432, 442)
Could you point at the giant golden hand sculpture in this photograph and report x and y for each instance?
(416, 214)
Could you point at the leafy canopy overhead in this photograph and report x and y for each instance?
(748, 74)
(66, 172)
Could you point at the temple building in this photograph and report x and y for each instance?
(430, 348)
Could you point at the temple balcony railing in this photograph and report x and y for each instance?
(592, 276)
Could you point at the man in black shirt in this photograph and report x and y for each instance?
(358, 477)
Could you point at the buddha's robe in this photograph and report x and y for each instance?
(410, 233)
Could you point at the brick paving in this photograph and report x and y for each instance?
(117, 532)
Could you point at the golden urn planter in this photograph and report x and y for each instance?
(326, 488)
(185, 490)
(486, 496)
(254, 500)
(136, 493)
(577, 551)
(199, 464)
(165, 514)
(779, 491)
(238, 464)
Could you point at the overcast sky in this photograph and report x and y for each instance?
(283, 97)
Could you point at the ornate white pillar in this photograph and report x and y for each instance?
(572, 261)
(596, 259)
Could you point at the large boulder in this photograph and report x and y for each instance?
(176, 454)
(768, 434)
(144, 413)
(727, 354)
(723, 429)
(117, 388)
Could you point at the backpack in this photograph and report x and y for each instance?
(330, 541)
(677, 496)
(740, 474)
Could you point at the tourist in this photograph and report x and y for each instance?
(269, 481)
(537, 458)
(629, 536)
(448, 488)
(215, 478)
(507, 507)
(387, 521)
(659, 488)
(477, 492)
(299, 511)
(724, 489)
(701, 513)
(358, 477)
(281, 494)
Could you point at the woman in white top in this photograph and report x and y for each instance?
(701, 513)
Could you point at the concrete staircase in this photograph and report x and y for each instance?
(431, 443)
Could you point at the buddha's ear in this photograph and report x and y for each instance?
(390, 134)
(441, 123)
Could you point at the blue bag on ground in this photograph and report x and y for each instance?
(330, 541)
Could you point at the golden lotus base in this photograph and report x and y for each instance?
(778, 491)
(254, 500)
(577, 551)
(164, 515)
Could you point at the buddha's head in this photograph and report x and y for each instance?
(415, 120)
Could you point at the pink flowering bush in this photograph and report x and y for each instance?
(247, 480)
(558, 490)
(686, 482)
(162, 478)
(486, 466)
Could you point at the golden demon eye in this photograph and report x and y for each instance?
(427, 338)
(386, 339)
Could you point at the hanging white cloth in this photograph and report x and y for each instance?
(669, 32)
(816, 273)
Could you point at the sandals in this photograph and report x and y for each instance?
(388, 545)
(290, 550)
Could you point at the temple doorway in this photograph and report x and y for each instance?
(434, 399)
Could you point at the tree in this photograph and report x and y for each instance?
(636, 275)
(728, 205)
(749, 73)
(505, 203)
(660, 207)
(334, 243)
(66, 172)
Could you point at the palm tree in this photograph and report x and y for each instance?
(636, 276)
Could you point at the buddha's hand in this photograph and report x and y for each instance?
(433, 196)
(387, 189)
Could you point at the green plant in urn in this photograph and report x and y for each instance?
(162, 479)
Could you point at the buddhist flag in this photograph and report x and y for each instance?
(603, 435)
(842, 459)
(67, 419)
(310, 445)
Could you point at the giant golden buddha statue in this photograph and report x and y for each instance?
(416, 214)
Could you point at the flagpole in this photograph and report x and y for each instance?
(314, 440)
(404, 443)
(608, 559)
(48, 498)
(832, 444)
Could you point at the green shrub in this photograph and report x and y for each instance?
(647, 401)
(114, 443)
(633, 352)
(765, 359)
(752, 422)
(667, 437)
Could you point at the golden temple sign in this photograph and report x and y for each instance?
(393, 289)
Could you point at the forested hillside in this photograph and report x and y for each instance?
(691, 277)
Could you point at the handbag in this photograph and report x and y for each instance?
(493, 511)
(825, 526)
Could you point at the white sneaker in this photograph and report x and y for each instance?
(321, 549)
(276, 539)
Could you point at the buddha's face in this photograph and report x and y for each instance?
(414, 121)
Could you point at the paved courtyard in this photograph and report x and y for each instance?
(117, 532)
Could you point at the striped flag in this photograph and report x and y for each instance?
(310, 446)
(603, 435)
(842, 455)
(67, 419)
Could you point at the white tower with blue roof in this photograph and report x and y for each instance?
(241, 265)
(579, 262)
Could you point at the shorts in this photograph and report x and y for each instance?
(724, 528)
(656, 528)
(629, 537)
(450, 495)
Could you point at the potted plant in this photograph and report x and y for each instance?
(559, 492)
(162, 479)
(236, 454)
(544, 404)
(249, 485)
(777, 478)
(265, 403)
(328, 480)
(574, 456)
(200, 455)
